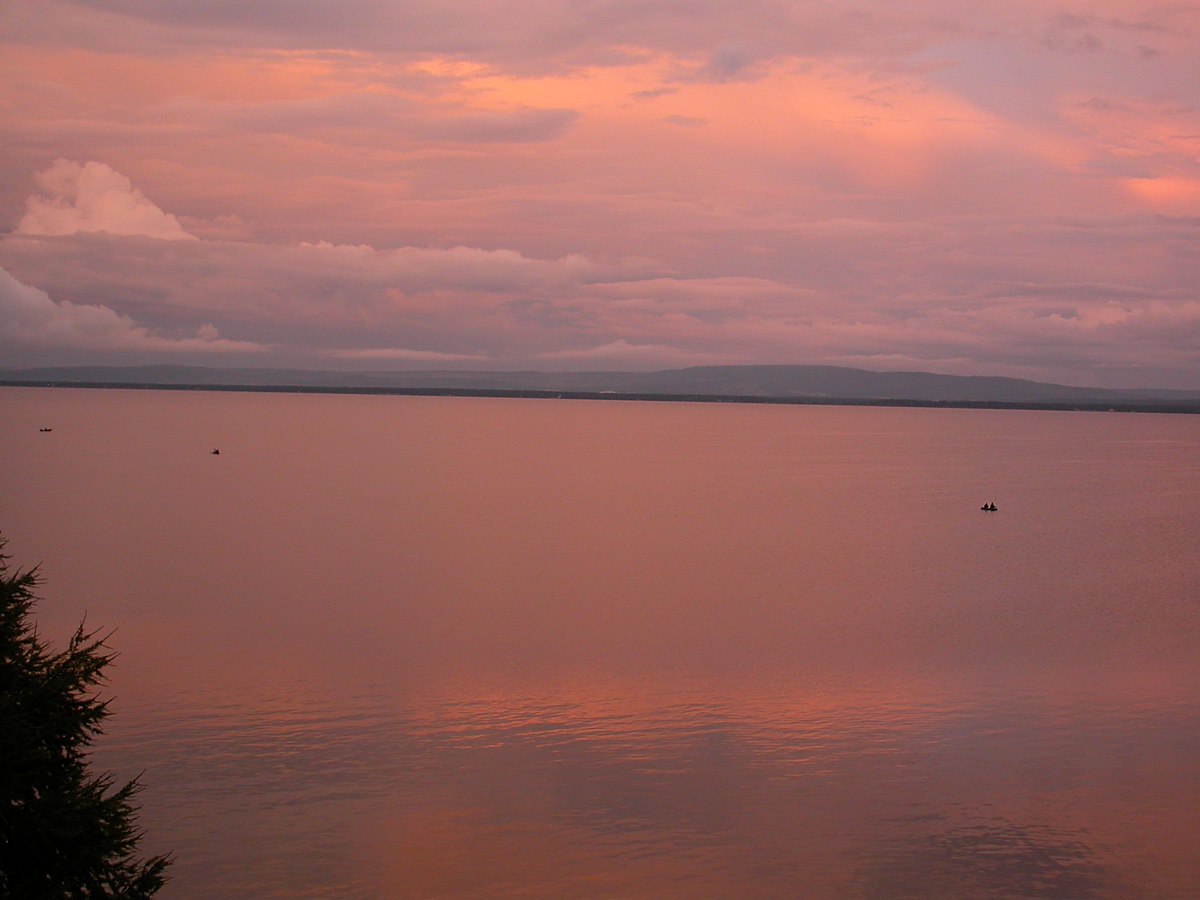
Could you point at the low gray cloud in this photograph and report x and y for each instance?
(480, 308)
(399, 354)
(30, 317)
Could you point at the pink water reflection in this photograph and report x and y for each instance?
(437, 647)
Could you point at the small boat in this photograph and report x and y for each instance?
(215, 452)
(45, 429)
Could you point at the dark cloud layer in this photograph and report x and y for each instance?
(501, 308)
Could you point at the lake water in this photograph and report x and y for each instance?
(450, 647)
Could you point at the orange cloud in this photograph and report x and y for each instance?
(697, 184)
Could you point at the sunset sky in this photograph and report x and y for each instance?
(1009, 188)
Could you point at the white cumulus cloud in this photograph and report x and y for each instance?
(81, 197)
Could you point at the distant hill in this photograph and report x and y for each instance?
(781, 382)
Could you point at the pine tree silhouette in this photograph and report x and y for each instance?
(64, 832)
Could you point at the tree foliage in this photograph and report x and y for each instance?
(64, 832)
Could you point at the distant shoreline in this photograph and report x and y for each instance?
(1172, 407)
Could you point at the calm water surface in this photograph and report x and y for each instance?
(435, 647)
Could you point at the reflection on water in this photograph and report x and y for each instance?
(995, 859)
(695, 791)
(425, 647)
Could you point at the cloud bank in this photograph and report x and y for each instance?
(28, 316)
(474, 308)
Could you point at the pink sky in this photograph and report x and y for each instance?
(1010, 188)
